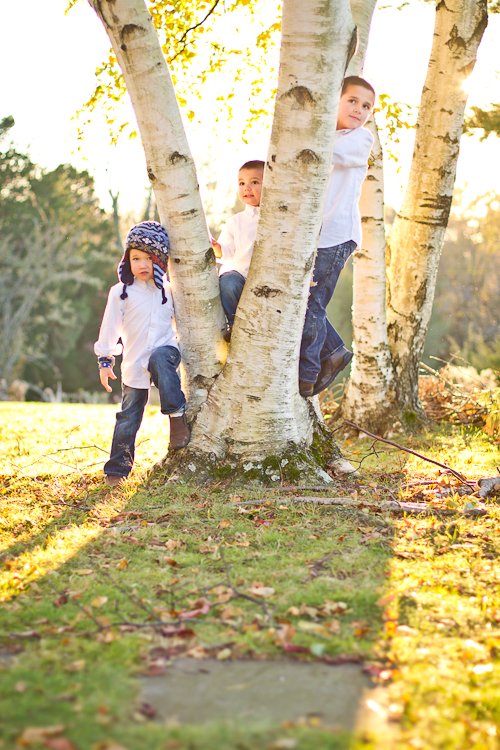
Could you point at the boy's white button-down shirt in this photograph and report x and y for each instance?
(341, 218)
(142, 323)
(237, 240)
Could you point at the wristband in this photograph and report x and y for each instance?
(105, 362)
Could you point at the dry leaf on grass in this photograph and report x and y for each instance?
(99, 601)
(37, 735)
(59, 743)
(224, 524)
(84, 572)
(264, 591)
(122, 564)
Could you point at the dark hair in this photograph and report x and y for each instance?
(356, 81)
(255, 164)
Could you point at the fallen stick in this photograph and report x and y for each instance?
(384, 506)
(409, 450)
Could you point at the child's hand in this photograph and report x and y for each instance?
(217, 248)
(104, 374)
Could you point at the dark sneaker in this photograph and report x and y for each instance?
(330, 368)
(179, 432)
(112, 480)
(306, 389)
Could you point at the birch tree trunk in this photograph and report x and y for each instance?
(255, 410)
(369, 396)
(172, 173)
(416, 239)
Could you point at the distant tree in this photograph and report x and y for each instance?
(57, 248)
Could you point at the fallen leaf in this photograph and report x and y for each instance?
(225, 524)
(107, 637)
(37, 735)
(122, 564)
(172, 544)
(292, 648)
(224, 654)
(59, 743)
(311, 627)
(201, 607)
(197, 652)
(99, 601)
(263, 591)
(76, 666)
(84, 572)
(284, 743)
(147, 710)
(20, 687)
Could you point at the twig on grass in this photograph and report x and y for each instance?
(409, 450)
(239, 593)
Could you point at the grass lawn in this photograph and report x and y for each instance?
(99, 587)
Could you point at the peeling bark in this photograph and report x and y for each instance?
(416, 240)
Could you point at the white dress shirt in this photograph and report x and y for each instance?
(237, 240)
(142, 323)
(341, 219)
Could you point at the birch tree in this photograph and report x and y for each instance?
(416, 239)
(253, 411)
(369, 396)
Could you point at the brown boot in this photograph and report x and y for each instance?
(306, 389)
(330, 368)
(179, 432)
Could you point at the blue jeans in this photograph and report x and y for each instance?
(163, 366)
(231, 286)
(320, 339)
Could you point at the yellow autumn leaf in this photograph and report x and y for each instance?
(99, 601)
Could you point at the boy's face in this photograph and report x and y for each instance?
(250, 186)
(141, 265)
(355, 106)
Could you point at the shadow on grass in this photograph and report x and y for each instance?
(158, 573)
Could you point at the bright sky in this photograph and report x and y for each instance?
(48, 62)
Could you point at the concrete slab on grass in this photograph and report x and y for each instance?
(194, 692)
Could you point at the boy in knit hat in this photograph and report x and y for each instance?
(140, 311)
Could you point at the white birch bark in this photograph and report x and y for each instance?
(369, 399)
(254, 409)
(172, 173)
(370, 391)
(416, 239)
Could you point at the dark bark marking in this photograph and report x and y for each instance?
(131, 31)
(308, 157)
(282, 207)
(421, 294)
(446, 139)
(151, 175)
(269, 166)
(273, 158)
(176, 157)
(448, 111)
(253, 398)
(456, 43)
(309, 262)
(188, 213)
(266, 291)
(176, 260)
(303, 99)
(124, 47)
(370, 177)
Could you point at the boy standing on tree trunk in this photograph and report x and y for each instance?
(322, 353)
(140, 311)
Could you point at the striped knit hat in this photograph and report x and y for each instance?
(151, 238)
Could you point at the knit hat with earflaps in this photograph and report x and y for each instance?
(151, 238)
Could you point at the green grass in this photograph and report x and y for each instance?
(92, 581)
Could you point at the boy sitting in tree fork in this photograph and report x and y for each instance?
(140, 311)
(235, 244)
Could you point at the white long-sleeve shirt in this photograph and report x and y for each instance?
(237, 240)
(341, 218)
(142, 323)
